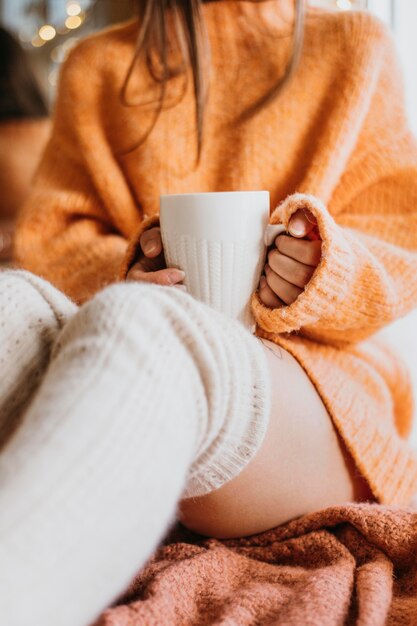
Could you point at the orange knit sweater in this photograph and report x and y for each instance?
(336, 141)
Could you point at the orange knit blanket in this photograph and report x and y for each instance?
(353, 565)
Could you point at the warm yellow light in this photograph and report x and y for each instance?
(73, 8)
(37, 42)
(47, 32)
(344, 4)
(74, 21)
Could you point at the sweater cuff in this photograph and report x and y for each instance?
(330, 282)
(133, 248)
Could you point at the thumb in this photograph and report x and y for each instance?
(301, 223)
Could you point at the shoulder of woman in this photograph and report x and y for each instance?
(355, 35)
(101, 52)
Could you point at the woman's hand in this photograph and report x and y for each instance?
(292, 262)
(151, 266)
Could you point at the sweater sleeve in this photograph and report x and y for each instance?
(367, 276)
(74, 229)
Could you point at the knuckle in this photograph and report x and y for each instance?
(154, 278)
(311, 257)
(302, 274)
(303, 251)
(164, 277)
(308, 257)
(272, 288)
(135, 276)
(285, 297)
(288, 298)
(267, 297)
(273, 256)
(263, 296)
(287, 245)
(286, 293)
(280, 243)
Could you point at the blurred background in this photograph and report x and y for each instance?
(47, 29)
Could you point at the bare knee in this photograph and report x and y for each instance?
(301, 466)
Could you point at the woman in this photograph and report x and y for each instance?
(147, 396)
(24, 129)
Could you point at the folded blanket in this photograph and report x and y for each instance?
(354, 565)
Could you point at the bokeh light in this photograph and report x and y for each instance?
(74, 21)
(47, 32)
(73, 9)
(37, 42)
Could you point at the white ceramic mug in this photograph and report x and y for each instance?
(217, 239)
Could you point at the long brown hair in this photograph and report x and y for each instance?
(194, 47)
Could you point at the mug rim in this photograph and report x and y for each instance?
(212, 193)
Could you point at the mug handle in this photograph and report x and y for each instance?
(272, 231)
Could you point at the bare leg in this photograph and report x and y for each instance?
(301, 466)
(147, 393)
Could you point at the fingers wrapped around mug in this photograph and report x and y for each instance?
(267, 296)
(283, 289)
(151, 242)
(290, 267)
(167, 277)
(151, 265)
(151, 259)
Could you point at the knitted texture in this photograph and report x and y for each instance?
(338, 135)
(351, 565)
(32, 312)
(147, 393)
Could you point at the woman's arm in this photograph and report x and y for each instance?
(75, 227)
(367, 274)
(365, 279)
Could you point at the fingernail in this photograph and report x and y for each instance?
(180, 287)
(176, 276)
(297, 227)
(150, 248)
